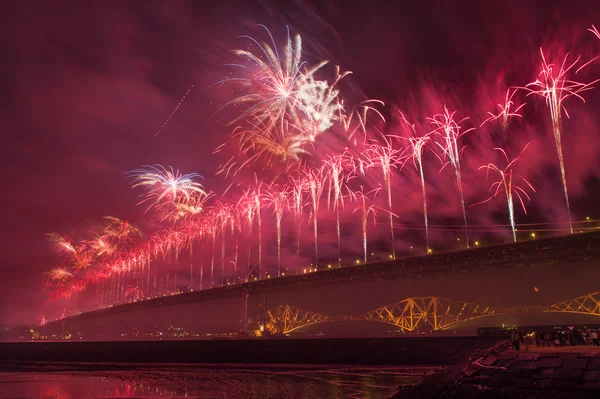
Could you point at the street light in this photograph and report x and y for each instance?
(533, 235)
(477, 244)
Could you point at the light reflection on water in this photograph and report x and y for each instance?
(206, 381)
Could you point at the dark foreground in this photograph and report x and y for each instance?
(375, 351)
(500, 372)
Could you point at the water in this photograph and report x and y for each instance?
(82, 381)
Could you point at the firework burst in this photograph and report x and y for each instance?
(553, 84)
(165, 186)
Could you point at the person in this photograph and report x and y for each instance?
(516, 341)
(594, 338)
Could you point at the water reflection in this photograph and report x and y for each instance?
(202, 381)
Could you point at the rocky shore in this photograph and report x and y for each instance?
(500, 372)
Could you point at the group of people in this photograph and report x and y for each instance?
(557, 338)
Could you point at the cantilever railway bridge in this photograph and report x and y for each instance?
(567, 249)
(423, 313)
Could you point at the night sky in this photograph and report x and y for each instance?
(85, 87)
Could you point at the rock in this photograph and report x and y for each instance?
(550, 362)
(576, 363)
(568, 374)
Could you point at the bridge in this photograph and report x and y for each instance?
(431, 313)
(541, 252)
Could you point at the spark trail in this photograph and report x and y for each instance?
(450, 132)
(555, 86)
(507, 184)
(417, 145)
(278, 198)
(386, 158)
(361, 197)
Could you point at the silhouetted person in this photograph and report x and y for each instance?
(516, 341)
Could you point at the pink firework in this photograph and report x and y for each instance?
(333, 172)
(278, 198)
(134, 293)
(555, 85)
(451, 131)
(365, 210)
(417, 146)
(386, 158)
(313, 184)
(507, 184)
(506, 111)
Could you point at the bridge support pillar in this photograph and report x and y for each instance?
(254, 312)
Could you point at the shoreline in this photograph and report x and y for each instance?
(498, 371)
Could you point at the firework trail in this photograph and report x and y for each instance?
(224, 215)
(554, 85)
(361, 197)
(43, 321)
(247, 206)
(505, 112)
(450, 132)
(134, 292)
(385, 157)
(278, 198)
(332, 170)
(359, 114)
(595, 31)
(174, 111)
(314, 186)
(418, 145)
(507, 184)
(297, 206)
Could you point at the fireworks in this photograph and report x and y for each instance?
(288, 107)
(134, 292)
(386, 158)
(418, 144)
(505, 111)
(362, 198)
(60, 274)
(61, 244)
(554, 85)
(450, 132)
(165, 187)
(332, 169)
(284, 107)
(507, 183)
(278, 198)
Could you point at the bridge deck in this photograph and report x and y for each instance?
(577, 247)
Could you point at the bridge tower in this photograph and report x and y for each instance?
(253, 311)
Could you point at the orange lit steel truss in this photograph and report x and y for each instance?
(424, 313)
(285, 319)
